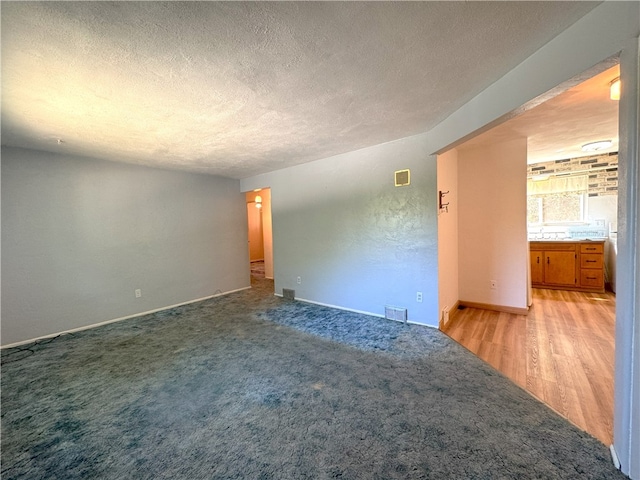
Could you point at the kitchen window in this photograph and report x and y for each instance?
(557, 200)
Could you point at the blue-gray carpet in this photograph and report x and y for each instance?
(252, 386)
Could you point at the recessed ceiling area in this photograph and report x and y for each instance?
(242, 88)
(558, 128)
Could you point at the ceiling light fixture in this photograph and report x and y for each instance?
(614, 89)
(258, 201)
(595, 146)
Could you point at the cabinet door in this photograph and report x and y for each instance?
(537, 267)
(560, 268)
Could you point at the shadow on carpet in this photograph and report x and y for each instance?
(252, 386)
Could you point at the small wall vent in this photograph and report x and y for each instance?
(395, 313)
(288, 294)
(402, 178)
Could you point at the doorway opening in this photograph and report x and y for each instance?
(562, 350)
(260, 235)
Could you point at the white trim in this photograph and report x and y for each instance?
(614, 457)
(626, 416)
(340, 308)
(413, 322)
(106, 322)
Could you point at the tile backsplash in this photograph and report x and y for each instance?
(603, 178)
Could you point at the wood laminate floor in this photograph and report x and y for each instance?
(562, 352)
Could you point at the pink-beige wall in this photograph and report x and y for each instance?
(492, 224)
(447, 180)
(265, 228)
(267, 232)
(254, 218)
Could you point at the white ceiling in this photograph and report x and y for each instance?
(558, 128)
(238, 89)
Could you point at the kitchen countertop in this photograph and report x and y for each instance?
(565, 240)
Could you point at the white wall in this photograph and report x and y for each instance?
(355, 240)
(80, 235)
(604, 207)
(448, 294)
(626, 428)
(492, 230)
(609, 28)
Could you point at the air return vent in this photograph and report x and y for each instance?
(288, 294)
(395, 313)
(403, 177)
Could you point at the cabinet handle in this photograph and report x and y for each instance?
(591, 278)
(589, 248)
(538, 259)
(547, 260)
(590, 261)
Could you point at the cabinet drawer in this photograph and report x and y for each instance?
(553, 246)
(591, 278)
(591, 248)
(588, 260)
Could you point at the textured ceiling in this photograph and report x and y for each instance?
(238, 89)
(559, 127)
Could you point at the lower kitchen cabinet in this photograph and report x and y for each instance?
(568, 265)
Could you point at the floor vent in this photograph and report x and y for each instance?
(289, 294)
(395, 313)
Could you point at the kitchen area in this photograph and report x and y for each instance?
(572, 188)
(561, 347)
(572, 223)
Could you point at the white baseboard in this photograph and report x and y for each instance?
(106, 322)
(421, 324)
(614, 457)
(340, 308)
(413, 322)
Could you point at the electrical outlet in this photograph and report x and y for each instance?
(419, 297)
(138, 293)
(493, 284)
(298, 280)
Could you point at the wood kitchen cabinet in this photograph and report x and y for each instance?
(568, 265)
(537, 266)
(592, 266)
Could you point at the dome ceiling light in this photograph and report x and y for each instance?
(595, 146)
